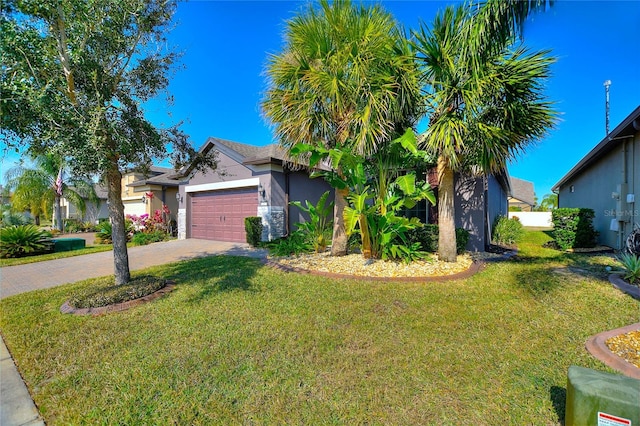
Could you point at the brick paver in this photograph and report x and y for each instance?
(40, 275)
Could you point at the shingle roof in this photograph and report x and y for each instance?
(244, 150)
(158, 176)
(522, 190)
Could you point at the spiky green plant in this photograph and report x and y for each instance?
(23, 240)
(631, 264)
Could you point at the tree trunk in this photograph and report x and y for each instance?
(118, 228)
(57, 214)
(446, 213)
(339, 239)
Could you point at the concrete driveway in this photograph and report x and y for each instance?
(39, 275)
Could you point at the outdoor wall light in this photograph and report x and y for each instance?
(178, 197)
(144, 199)
(262, 192)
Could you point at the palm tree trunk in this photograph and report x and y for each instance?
(446, 213)
(57, 214)
(118, 228)
(339, 239)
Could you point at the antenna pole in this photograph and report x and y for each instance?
(606, 105)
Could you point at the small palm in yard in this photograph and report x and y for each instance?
(24, 240)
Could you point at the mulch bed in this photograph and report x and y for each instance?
(66, 308)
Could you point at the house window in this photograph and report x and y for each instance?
(420, 211)
(572, 188)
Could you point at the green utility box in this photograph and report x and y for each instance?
(601, 399)
(68, 244)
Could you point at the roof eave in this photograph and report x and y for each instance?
(603, 147)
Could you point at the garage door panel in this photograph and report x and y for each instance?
(219, 215)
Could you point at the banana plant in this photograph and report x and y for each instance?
(317, 229)
(374, 199)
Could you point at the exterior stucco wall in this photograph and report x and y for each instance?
(469, 205)
(470, 208)
(228, 170)
(303, 188)
(594, 188)
(498, 203)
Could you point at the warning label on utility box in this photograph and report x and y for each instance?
(605, 419)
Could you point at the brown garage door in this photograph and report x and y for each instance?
(219, 215)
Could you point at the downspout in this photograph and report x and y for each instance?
(623, 197)
(286, 201)
(487, 221)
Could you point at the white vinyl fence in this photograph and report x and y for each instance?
(537, 219)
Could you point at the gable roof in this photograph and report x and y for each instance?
(241, 153)
(157, 176)
(522, 190)
(627, 128)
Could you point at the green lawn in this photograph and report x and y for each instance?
(239, 343)
(52, 256)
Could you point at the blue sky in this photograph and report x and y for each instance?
(226, 45)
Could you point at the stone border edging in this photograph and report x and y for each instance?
(617, 281)
(475, 267)
(118, 307)
(597, 347)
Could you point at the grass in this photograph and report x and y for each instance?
(54, 256)
(237, 342)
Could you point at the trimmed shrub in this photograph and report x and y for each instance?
(24, 240)
(9, 218)
(144, 238)
(573, 227)
(462, 238)
(427, 236)
(253, 229)
(507, 231)
(295, 243)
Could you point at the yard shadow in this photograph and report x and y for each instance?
(558, 397)
(215, 274)
(545, 274)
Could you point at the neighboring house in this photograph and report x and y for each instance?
(523, 197)
(93, 212)
(258, 181)
(607, 180)
(249, 181)
(146, 192)
(142, 193)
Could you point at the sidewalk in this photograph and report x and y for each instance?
(16, 406)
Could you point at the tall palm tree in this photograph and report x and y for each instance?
(41, 188)
(345, 78)
(485, 102)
